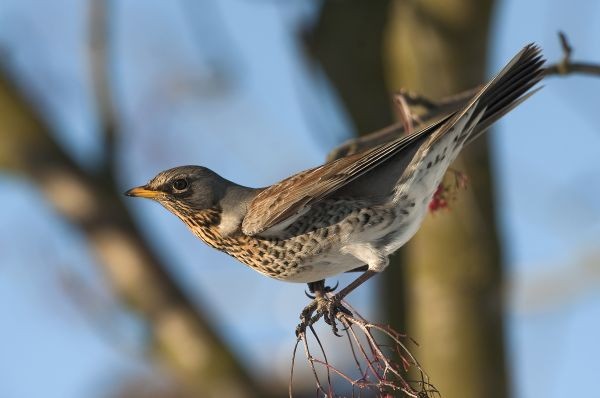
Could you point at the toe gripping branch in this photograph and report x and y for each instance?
(323, 305)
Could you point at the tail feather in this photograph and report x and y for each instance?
(485, 124)
(517, 81)
(509, 88)
(506, 90)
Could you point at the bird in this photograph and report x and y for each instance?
(346, 215)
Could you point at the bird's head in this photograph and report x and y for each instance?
(191, 188)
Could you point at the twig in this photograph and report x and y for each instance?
(377, 370)
(407, 118)
(324, 355)
(566, 66)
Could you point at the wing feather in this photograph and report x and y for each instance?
(289, 197)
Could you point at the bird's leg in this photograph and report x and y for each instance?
(334, 306)
(319, 286)
(316, 286)
(328, 307)
(354, 284)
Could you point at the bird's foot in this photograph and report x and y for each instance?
(327, 307)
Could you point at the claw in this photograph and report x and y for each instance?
(331, 289)
(316, 288)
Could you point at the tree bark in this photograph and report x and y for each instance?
(454, 304)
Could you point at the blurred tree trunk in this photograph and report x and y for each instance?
(453, 266)
(348, 42)
(454, 311)
(178, 336)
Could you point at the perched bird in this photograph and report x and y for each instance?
(348, 214)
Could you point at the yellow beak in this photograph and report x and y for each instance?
(142, 192)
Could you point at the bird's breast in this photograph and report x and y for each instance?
(311, 248)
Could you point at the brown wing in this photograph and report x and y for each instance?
(294, 195)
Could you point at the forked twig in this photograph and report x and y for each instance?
(373, 347)
(567, 66)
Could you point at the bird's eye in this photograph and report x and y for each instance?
(180, 184)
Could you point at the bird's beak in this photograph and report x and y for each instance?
(142, 192)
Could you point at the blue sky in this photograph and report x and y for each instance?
(242, 102)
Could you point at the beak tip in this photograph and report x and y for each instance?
(141, 192)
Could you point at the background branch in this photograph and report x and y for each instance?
(100, 66)
(178, 336)
(566, 66)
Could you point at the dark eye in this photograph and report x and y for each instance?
(180, 184)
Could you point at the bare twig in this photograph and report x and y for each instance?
(566, 66)
(373, 360)
(407, 118)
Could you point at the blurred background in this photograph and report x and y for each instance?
(105, 296)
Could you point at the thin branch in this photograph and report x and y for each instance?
(566, 66)
(378, 371)
(316, 336)
(99, 12)
(406, 116)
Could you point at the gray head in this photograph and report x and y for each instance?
(193, 187)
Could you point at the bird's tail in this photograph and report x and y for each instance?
(503, 93)
(446, 138)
